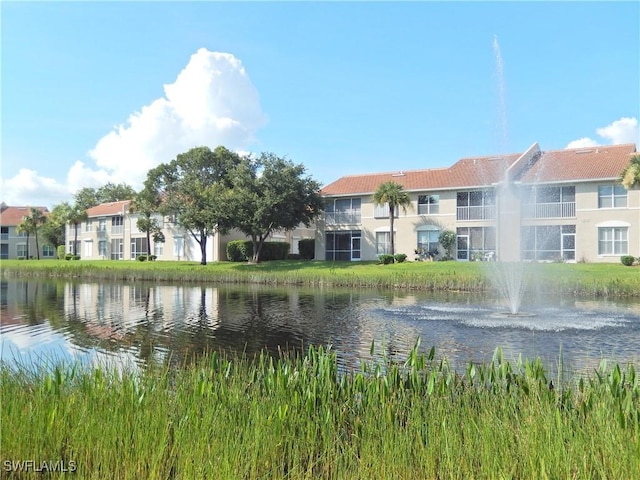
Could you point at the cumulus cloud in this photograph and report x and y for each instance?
(212, 102)
(624, 130)
(28, 188)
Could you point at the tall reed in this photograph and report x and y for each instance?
(300, 416)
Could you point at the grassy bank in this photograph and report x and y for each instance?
(299, 418)
(579, 279)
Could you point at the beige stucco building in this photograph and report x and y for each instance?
(563, 205)
(111, 232)
(17, 245)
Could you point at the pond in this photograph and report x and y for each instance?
(137, 323)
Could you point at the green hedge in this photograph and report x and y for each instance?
(307, 248)
(242, 251)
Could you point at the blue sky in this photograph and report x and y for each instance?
(95, 92)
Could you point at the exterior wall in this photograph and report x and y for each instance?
(179, 244)
(586, 220)
(589, 217)
(11, 243)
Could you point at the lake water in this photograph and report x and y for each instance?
(136, 323)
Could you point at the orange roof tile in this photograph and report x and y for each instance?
(12, 216)
(580, 164)
(604, 162)
(111, 208)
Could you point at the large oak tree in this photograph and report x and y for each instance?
(195, 188)
(272, 194)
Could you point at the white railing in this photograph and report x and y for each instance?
(487, 212)
(550, 210)
(116, 229)
(343, 218)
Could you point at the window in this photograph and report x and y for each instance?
(613, 240)
(475, 243)
(21, 250)
(158, 249)
(89, 225)
(102, 225)
(343, 211)
(343, 245)
(4, 233)
(382, 211)
(428, 241)
(48, 251)
(612, 196)
(428, 204)
(549, 242)
(138, 247)
(117, 249)
(476, 205)
(116, 224)
(73, 247)
(102, 248)
(383, 242)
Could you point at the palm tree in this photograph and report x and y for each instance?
(75, 216)
(36, 218)
(392, 193)
(29, 225)
(630, 176)
(146, 203)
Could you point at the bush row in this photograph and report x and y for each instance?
(387, 258)
(242, 251)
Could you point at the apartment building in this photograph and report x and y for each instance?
(562, 205)
(111, 233)
(15, 245)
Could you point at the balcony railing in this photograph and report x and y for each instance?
(343, 218)
(550, 210)
(117, 229)
(486, 212)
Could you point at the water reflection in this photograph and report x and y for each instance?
(139, 323)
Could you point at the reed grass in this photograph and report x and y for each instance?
(301, 417)
(602, 280)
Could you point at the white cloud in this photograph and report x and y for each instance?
(212, 102)
(28, 188)
(624, 130)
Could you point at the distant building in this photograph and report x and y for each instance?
(13, 244)
(111, 233)
(564, 205)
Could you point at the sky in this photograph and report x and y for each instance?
(97, 92)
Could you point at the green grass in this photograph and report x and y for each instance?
(578, 279)
(300, 418)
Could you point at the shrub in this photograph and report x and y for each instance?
(400, 257)
(75, 257)
(60, 252)
(68, 256)
(385, 258)
(141, 258)
(237, 251)
(307, 248)
(448, 241)
(22, 258)
(294, 256)
(152, 257)
(273, 251)
(627, 260)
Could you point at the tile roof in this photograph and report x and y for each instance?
(12, 216)
(464, 173)
(111, 208)
(552, 166)
(580, 164)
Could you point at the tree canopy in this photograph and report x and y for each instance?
(29, 226)
(53, 230)
(630, 176)
(90, 197)
(195, 188)
(271, 194)
(392, 194)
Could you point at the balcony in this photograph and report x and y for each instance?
(549, 210)
(348, 217)
(486, 212)
(117, 229)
